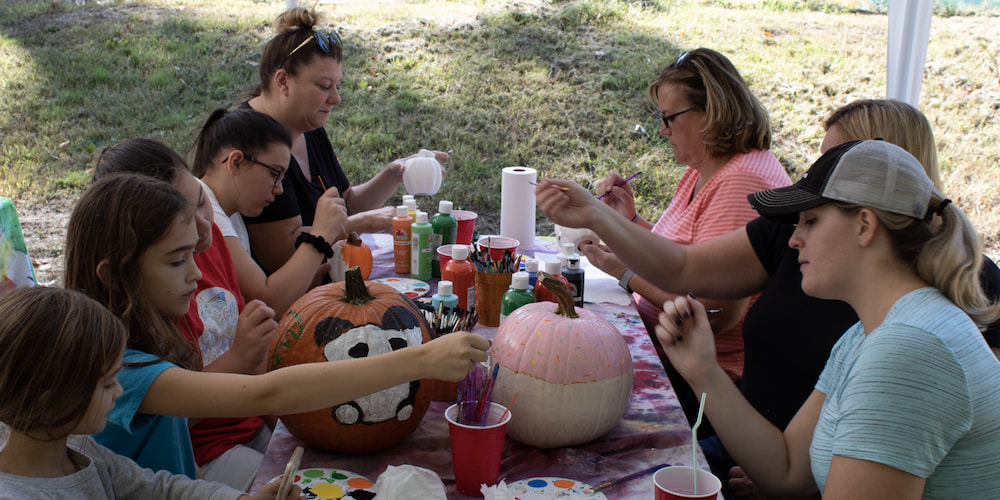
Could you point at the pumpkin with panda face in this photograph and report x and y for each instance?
(345, 320)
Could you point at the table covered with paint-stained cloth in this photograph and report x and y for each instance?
(653, 430)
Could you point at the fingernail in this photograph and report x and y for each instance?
(680, 338)
(692, 296)
(687, 314)
(677, 321)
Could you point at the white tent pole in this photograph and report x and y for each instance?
(909, 32)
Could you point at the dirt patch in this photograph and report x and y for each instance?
(44, 224)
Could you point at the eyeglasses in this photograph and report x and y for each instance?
(277, 173)
(669, 118)
(326, 42)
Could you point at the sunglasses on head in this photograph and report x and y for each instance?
(325, 40)
(681, 60)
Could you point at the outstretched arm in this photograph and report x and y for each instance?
(294, 389)
(723, 268)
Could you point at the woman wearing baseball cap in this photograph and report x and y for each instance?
(906, 406)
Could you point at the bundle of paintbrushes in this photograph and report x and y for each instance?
(508, 262)
(475, 393)
(452, 320)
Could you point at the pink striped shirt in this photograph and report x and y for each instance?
(719, 208)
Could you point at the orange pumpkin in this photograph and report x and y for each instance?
(348, 253)
(346, 320)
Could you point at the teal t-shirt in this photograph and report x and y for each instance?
(920, 393)
(154, 441)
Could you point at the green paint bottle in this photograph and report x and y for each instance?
(517, 295)
(445, 229)
(421, 236)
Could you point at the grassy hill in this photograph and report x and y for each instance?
(554, 85)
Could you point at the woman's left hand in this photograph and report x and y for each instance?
(603, 258)
(686, 337)
(372, 221)
(398, 166)
(617, 195)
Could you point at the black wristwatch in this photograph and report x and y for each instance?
(317, 241)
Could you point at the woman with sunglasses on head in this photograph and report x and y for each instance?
(907, 405)
(241, 157)
(300, 75)
(718, 128)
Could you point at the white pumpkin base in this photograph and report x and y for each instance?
(550, 415)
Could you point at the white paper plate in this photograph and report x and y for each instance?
(410, 287)
(322, 483)
(548, 488)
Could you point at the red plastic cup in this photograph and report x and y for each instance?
(444, 254)
(476, 450)
(497, 246)
(466, 226)
(677, 483)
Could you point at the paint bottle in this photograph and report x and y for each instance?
(445, 228)
(411, 207)
(444, 301)
(421, 235)
(401, 240)
(531, 267)
(574, 275)
(462, 274)
(517, 295)
(565, 250)
(553, 268)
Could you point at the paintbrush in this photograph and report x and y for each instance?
(620, 184)
(629, 477)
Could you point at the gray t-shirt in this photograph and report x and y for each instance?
(105, 475)
(919, 394)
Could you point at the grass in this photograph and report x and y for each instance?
(556, 85)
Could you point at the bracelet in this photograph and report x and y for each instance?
(635, 217)
(626, 277)
(317, 241)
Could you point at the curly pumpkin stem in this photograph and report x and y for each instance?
(355, 291)
(562, 293)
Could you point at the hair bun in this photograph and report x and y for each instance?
(296, 19)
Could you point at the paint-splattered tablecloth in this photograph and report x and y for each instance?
(652, 431)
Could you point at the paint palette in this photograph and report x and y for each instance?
(407, 286)
(547, 488)
(333, 484)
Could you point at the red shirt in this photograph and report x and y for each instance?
(210, 325)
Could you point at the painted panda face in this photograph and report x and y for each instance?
(342, 340)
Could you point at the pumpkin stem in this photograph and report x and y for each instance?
(355, 291)
(354, 240)
(562, 293)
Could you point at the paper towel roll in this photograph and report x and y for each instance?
(517, 204)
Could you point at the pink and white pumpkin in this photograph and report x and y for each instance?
(570, 369)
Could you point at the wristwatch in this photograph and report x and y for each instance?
(317, 241)
(626, 277)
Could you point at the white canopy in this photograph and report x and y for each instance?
(909, 32)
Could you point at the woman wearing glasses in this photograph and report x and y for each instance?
(300, 74)
(241, 157)
(787, 334)
(722, 133)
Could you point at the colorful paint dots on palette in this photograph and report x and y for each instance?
(546, 488)
(408, 286)
(333, 484)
